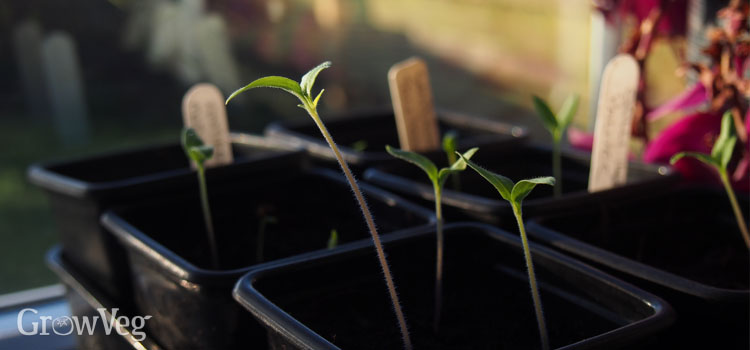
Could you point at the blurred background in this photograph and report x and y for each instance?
(81, 77)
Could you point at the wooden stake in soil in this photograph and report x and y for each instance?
(413, 107)
(609, 156)
(203, 109)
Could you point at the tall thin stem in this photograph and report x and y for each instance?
(438, 260)
(370, 225)
(556, 165)
(207, 215)
(532, 279)
(735, 207)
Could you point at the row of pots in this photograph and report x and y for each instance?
(132, 237)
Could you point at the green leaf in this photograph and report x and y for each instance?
(726, 153)
(458, 165)
(417, 159)
(724, 134)
(523, 188)
(548, 118)
(308, 79)
(200, 154)
(449, 142)
(189, 138)
(501, 183)
(568, 111)
(277, 82)
(705, 158)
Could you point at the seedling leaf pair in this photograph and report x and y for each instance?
(556, 124)
(194, 147)
(514, 193)
(300, 90)
(438, 177)
(721, 155)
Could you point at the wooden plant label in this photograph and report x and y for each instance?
(411, 94)
(203, 110)
(609, 156)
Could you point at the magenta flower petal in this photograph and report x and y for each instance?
(689, 98)
(692, 133)
(580, 139)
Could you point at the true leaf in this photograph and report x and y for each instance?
(308, 79)
(567, 111)
(522, 188)
(277, 82)
(548, 118)
(501, 183)
(458, 165)
(417, 159)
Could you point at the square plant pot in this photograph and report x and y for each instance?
(477, 199)
(377, 128)
(191, 300)
(79, 191)
(682, 243)
(337, 300)
(87, 301)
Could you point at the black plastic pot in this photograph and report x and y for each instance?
(80, 190)
(85, 300)
(172, 273)
(377, 128)
(683, 244)
(477, 199)
(338, 300)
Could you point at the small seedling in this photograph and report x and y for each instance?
(515, 194)
(264, 220)
(199, 153)
(556, 125)
(302, 91)
(333, 239)
(450, 146)
(438, 178)
(721, 154)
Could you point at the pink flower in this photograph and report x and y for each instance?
(694, 133)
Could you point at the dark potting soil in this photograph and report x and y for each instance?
(487, 303)
(691, 233)
(305, 206)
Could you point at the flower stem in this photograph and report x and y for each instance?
(735, 207)
(556, 165)
(207, 215)
(370, 225)
(438, 260)
(532, 279)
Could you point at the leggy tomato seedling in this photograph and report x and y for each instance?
(199, 153)
(438, 178)
(721, 154)
(515, 194)
(302, 91)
